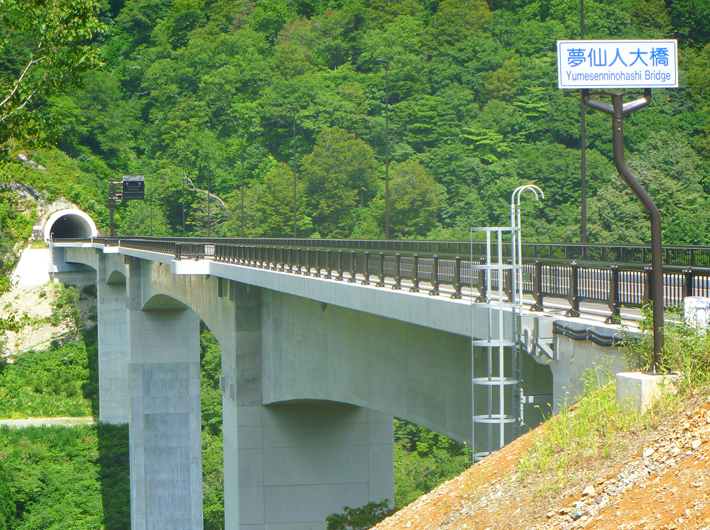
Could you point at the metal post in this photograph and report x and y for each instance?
(381, 273)
(415, 275)
(183, 201)
(435, 277)
(457, 278)
(397, 272)
(537, 288)
(614, 303)
(584, 151)
(243, 138)
(111, 206)
(366, 273)
(353, 268)
(291, 107)
(209, 200)
(618, 109)
(573, 295)
(387, 147)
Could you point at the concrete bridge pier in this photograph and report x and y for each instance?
(164, 428)
(289, 465)
(114, 396)
(300, 462)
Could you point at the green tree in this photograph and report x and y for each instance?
(360, 518)
(7, 500)
(415, 200)
(340, 173)
(45, 49)
(272, 204)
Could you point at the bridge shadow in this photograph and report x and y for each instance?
(113, 453)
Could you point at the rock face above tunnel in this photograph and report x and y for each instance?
(69, 223)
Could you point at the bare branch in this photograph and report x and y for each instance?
(205, 192)
(24, 73)
(27, 100)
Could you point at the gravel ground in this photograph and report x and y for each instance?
(659, 480)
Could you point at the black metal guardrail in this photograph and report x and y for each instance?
(686, 256)
(616, 285)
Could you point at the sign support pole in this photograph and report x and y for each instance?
(618, 109)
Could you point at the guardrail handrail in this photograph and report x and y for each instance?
(617, 285)
(679, 255)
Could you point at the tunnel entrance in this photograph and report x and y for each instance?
(69, 224)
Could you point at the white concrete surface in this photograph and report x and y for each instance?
(114, 395)
(70, 223)
(32, 269)
(165, 432)
(638, 392)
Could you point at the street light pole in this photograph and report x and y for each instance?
(291, 107)
(387, 147)
(209, 197)
(584, 148)
(183, 199)
(242, 135)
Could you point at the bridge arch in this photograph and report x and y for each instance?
(70, 224)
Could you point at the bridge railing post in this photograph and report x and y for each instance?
(508, 281)
(353, 268)
(178, 251)
(435, 277)
(381, 272)
(457, 278)
(613, 302)
(397, 272)
(366, 272)
(537, 287)
(647, 285)
(688, 276)
(258, 257)
(415, 275)
(573, 293)
(339, 266)
(316, 273)
(328, 266)
(307, 272)
(298, 260)
(482, 286)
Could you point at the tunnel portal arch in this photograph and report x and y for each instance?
(70, 224)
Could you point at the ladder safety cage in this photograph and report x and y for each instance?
(496, 400)
(497, 396)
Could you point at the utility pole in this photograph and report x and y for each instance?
(183, 199)
(584, 149)
(291, 107)
(209, 197)
(243, 138)
(387, 147)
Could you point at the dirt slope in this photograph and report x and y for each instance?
(658, 479)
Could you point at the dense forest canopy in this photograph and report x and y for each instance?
(189, 87)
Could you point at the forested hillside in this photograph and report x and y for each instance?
(188, 87)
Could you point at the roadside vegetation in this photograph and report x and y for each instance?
(597, 427)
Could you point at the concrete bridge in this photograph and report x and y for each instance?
(313, 371)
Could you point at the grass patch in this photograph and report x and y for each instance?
(67, 477)
(596, 427)
(59, 381)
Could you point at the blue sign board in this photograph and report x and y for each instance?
(617, 64)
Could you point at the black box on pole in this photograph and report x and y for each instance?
(133, 187)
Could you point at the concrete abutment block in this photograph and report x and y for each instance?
(638, 392)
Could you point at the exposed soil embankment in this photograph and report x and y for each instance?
(658, 479)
